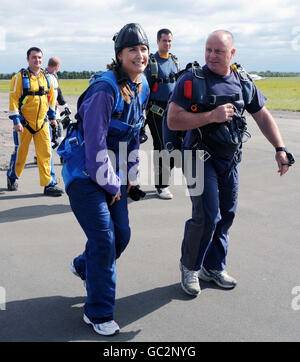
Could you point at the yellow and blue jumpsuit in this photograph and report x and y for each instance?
(34, 108)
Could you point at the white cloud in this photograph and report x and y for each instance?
(86, 27)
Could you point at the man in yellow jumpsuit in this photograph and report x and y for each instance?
(31, 104)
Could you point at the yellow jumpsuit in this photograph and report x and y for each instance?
(34, 109)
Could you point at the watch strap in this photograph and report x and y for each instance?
(278, 149)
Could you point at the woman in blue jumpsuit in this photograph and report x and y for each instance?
(99, 200)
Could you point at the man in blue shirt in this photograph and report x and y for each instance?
(205, 241)
(160, 74)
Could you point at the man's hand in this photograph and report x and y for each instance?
(223, 113)
(18, 127)
(53, 122)
(282, 161)
(270, 130)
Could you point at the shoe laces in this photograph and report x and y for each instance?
(221, 274)
(190, 275)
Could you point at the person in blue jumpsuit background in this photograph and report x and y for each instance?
(161, 75)
(98, 194)
(205, 241)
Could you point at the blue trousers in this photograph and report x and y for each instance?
(108, 233)
(205, 239)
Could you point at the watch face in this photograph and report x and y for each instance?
(291, 158)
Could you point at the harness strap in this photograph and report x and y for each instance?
(171, 79)
(26, 86)
(25, 123)
(154, 70)
(222, 99)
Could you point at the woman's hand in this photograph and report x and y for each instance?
(115, 198)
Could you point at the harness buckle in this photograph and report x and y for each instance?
(73, 142)
(212, 99)
(157, 110)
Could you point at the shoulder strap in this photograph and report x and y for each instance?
(247, 84)
(153, 66)
(199, 84)
(26, 87)
(145, 91)
(110, 78)
(94, 77)
(47, 76)
(195, 89)
(25, 79)
(175, 60)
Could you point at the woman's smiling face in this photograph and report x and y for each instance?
(134, 60)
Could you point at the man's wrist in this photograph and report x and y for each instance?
(279, 149)
(289, 155)
(16, 119)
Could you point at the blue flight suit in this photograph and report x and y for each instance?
(205, 241)
(106, 227)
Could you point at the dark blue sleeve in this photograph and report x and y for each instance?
(257, 102)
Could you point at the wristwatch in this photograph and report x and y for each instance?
(289, 155)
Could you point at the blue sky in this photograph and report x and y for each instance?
(267, 33)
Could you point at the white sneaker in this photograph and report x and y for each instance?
(189, 280)
(164, 193)
(106, 329)
(221, 278)
(74, 271)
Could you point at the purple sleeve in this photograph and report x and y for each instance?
(96, 114)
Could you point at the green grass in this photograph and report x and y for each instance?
(73, 87)
(69, 87)
(4, 86)
(283, 93)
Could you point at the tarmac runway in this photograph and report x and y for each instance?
(41, 300)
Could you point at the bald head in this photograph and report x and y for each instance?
(53, 64)
(53, 61)
(219, 51)
(223, 35)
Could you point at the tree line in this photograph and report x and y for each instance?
(85, 74)
(269, 74)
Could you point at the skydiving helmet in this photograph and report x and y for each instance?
(130, 35)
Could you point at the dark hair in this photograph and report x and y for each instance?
(163, 31)
(33, 49)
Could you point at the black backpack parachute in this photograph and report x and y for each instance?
(229, 134)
